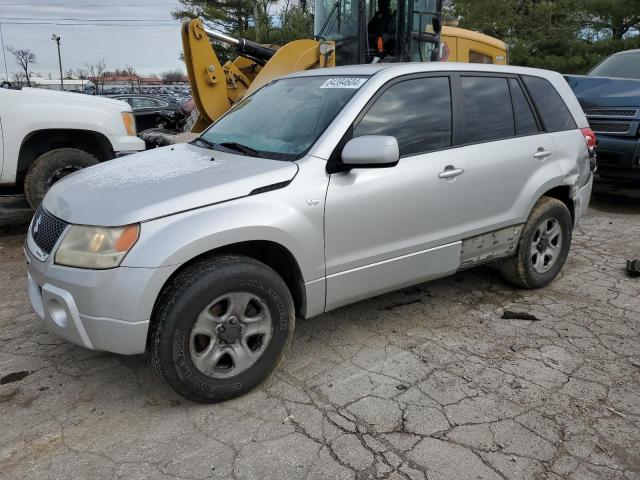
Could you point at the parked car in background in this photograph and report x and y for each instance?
(153, 112)
(320, 189)
(46, 135)
(610, 97)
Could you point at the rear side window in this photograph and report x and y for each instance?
(416, 112)
(487, 109)
(525, 119)
(556, 117)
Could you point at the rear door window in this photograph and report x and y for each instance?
(487, 108)
(525, 119)
(556, 117)
(143, 102)
(416, 112)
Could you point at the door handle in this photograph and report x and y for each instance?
(450, 172)
(541, 153)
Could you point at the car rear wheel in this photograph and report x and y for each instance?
(543, 246)
(221, 328)
(51, 167)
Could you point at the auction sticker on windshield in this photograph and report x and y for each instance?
(343, 82)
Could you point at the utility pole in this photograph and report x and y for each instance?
(4, 54)
(56, 38)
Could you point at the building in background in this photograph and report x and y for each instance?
(70, 85)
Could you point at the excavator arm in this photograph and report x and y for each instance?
(216, 87)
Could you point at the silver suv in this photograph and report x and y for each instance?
(321, 189)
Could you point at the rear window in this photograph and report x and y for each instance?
(556, 117)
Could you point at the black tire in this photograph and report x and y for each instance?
(520, 269)
(163, 123)
(50, 167)
(185, 298)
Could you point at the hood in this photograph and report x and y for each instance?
(160, 182)
(45, 95)
(605, 91)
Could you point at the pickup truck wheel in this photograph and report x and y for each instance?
(221, 327)
(50, 167)
(543, 246)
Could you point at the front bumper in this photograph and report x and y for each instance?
(618, 158)
(98, 309)
(581, 200)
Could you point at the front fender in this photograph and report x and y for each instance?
(176, 239)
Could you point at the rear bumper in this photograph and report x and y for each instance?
(581, 200)
(618, 158)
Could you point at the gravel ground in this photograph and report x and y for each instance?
(428, 382)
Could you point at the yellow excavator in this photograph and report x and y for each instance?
(346, 32)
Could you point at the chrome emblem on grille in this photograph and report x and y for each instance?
(37, 224)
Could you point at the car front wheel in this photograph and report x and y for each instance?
(221, 327)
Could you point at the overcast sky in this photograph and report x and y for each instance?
(93, 29)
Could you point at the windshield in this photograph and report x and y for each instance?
(283, 119)
(626, 65)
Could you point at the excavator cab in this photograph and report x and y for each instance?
(371, 31)
(346, 32)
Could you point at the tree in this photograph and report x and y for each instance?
(614, 18)
(569, 36)
(69, 74)
(97, 74)
(18, 78)
(24, 58)
(248, 18)
(172, 76)
(296, 21)
(131, 74)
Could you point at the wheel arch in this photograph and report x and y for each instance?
(41, 141)
(562, 193)
(272, 254)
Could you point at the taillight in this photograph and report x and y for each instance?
(589, 137)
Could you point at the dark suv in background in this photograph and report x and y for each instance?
(610, 97)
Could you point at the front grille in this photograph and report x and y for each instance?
(609, 127)
(46, 229)
(605, 112)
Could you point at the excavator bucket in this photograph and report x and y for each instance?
(293, 57)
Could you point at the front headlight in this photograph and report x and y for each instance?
(96, 247)
(129, 123)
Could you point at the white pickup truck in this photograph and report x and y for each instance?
(46, 135)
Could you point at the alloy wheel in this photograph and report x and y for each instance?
(230, 335)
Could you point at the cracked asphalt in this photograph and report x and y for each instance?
(428, 382)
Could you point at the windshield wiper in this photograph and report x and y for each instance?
(203, 141)
(238, 147)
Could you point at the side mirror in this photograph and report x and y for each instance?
(371, 151)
